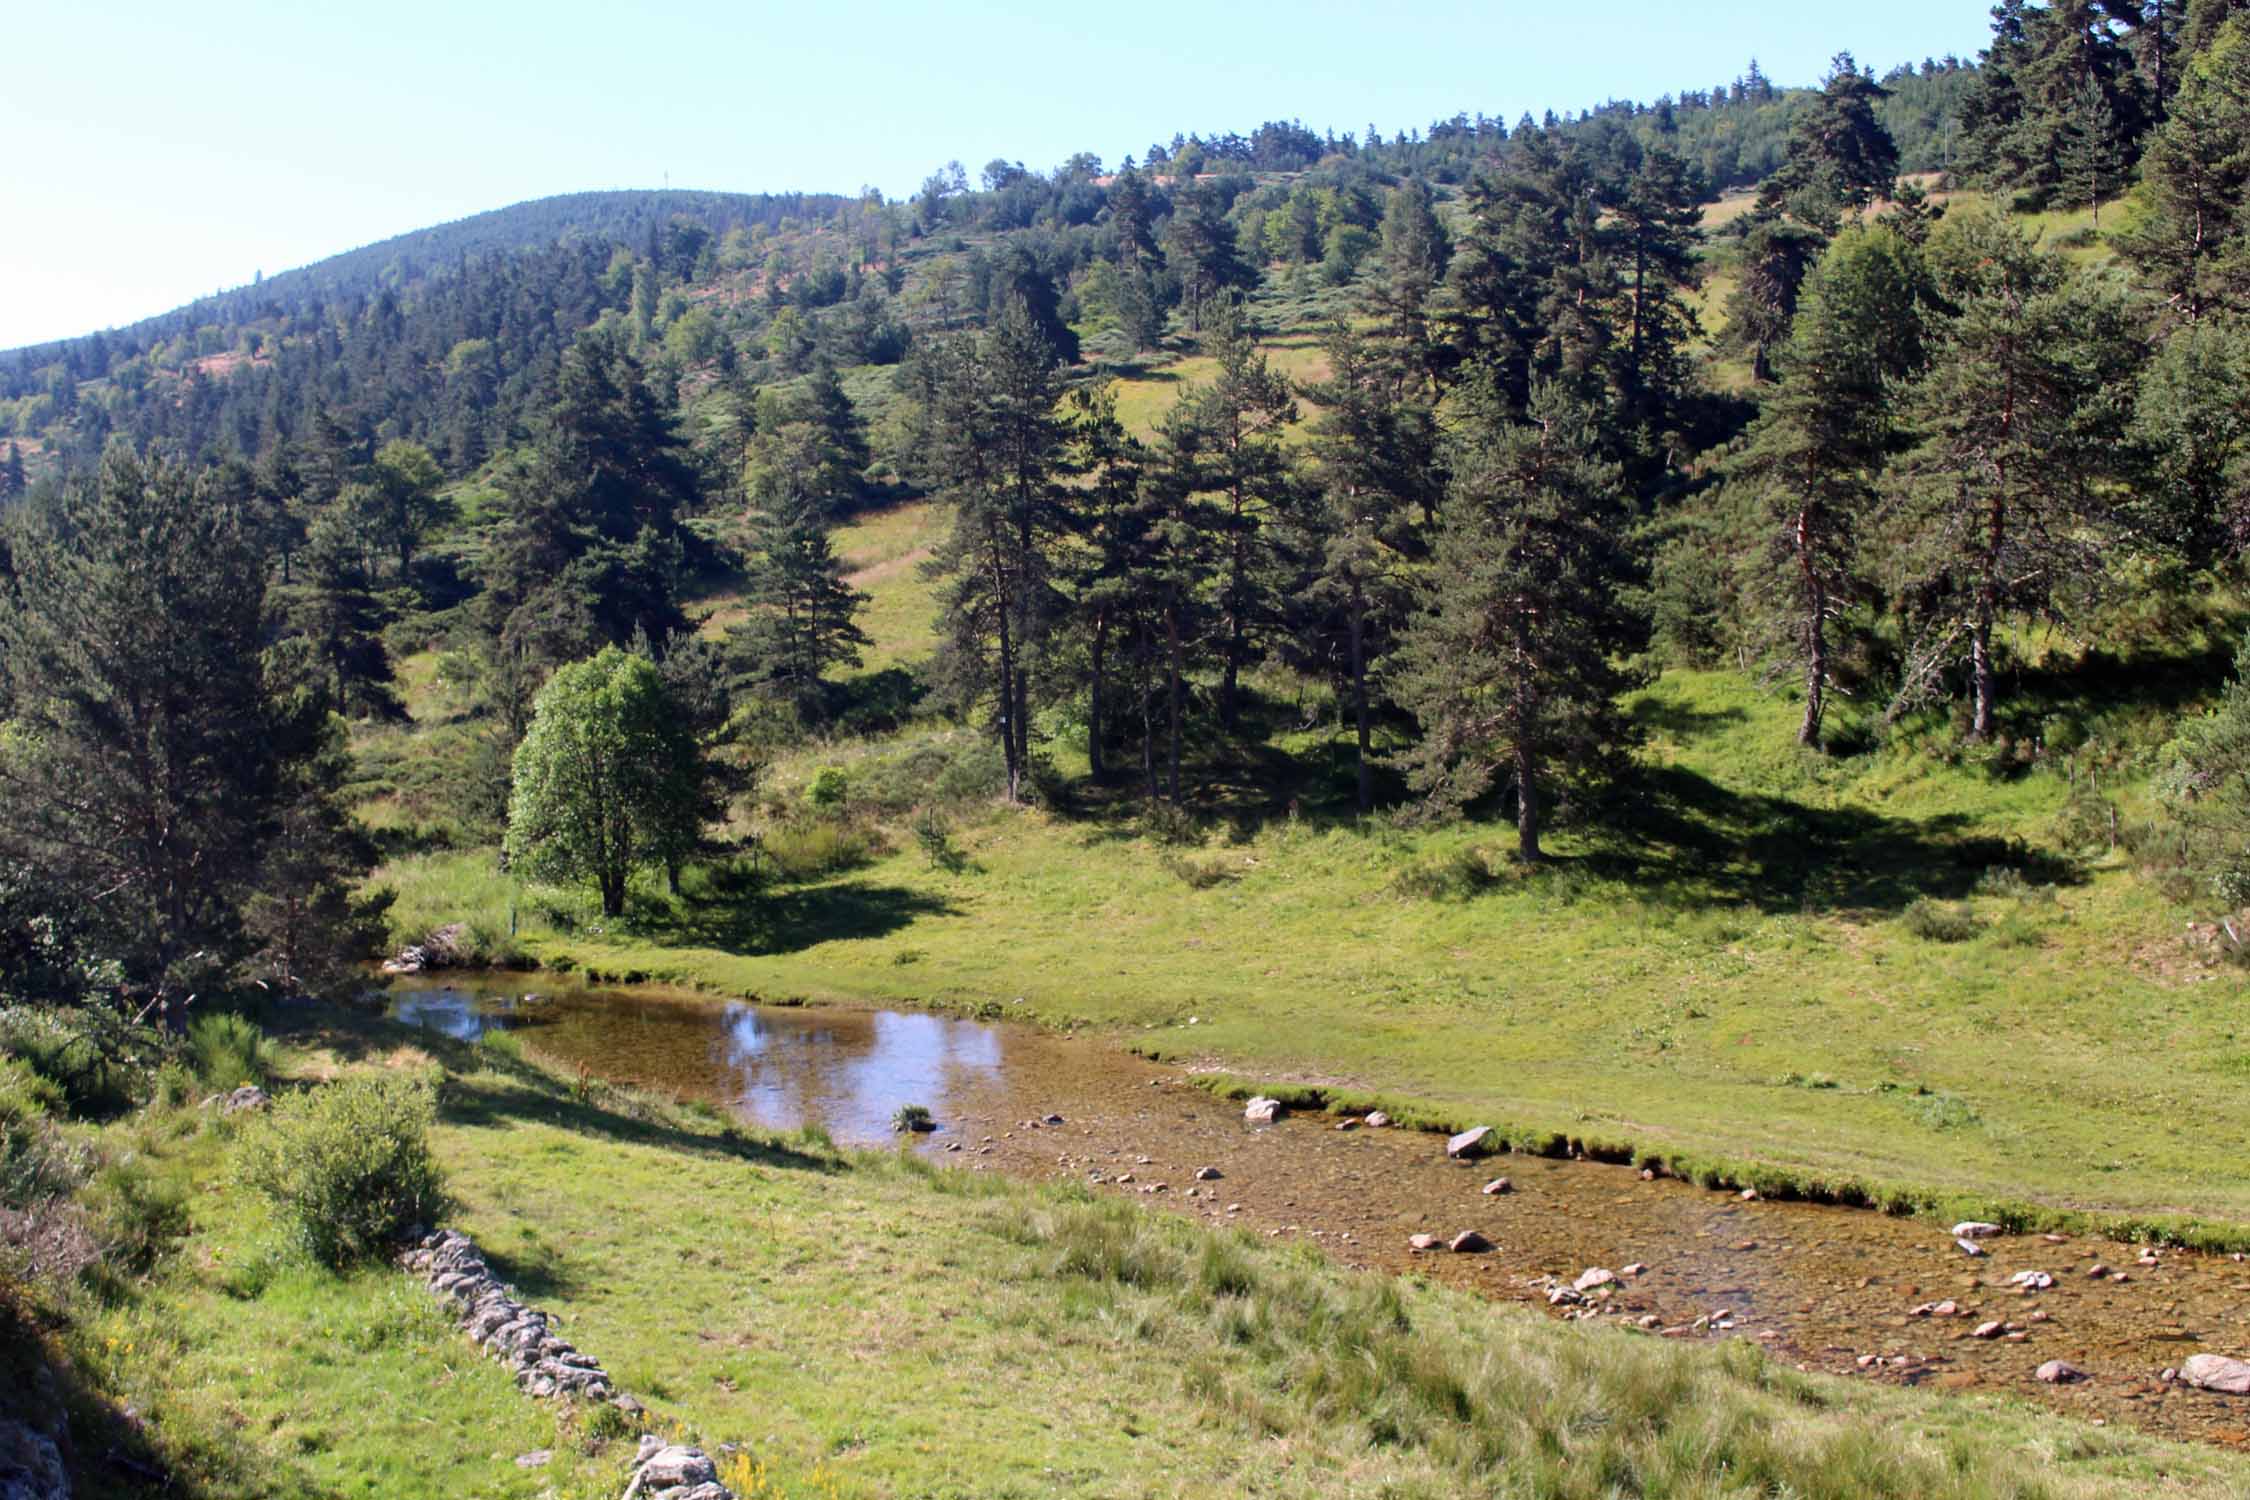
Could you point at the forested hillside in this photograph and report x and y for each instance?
(1706, 634)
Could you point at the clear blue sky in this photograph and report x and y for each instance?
(156, 152)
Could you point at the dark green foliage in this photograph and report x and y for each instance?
(2002, 508)
(2187, 236)
(143, 772)
(2191, 426)
(347, 1165)
(2057, 77)
(2206, 791)
(1840, 155)
(1818, 447)
(228, 1051)
(1199, 246)
(810, 446)
(1233, 426)
(801, 624)
(1379, 479)
(1513, 663)
(589, 546)
(994, 447)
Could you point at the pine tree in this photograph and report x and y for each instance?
(1240, 417)
(803, 621)
(1653, 235)
(1107, 575)
(590, 545)
(141, 776)
(1512, 663)
(2191, 423)
(338, 614)
(993, 444)
(1376, 466)
(1199, 247)
(2002, 507)
(1818, 446)
(2093, 151)
(2188, 241)
(1516, 308)
(12, 480)
(809, 444)
(1839, 151)
(1776, 256)
(1409, 270)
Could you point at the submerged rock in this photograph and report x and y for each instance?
(2216, 1372)
(1470, 1143)
(1469, 1242)
(1975, 1229)
(2060, 1372)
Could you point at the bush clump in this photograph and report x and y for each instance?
(228, 1051)
(1937, 922)
(348, 1166)
(1197, 874)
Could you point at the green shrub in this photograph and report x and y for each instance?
(95, 1058)
(912, 1118)
(348, 1166)
(34, 1164)
(175, 1087)
(808, 848)
(976, 772)
(829, 788)
(935, 835)
(137, 1215)
(1197, 874)
(1170, 823)
(1936, 922)
(227, 1051)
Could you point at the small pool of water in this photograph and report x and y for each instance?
(847, 1071)
(1819, 1287)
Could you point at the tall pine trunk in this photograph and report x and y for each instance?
(1527, 765)
(1096, 766)
(1816, 632)
(1527, 804)
(1172, 694)
(1359, 700)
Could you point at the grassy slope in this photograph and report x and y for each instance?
(1741, 988)
(867, 1326)
(1746, 992)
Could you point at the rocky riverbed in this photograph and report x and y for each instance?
(2088, 1325)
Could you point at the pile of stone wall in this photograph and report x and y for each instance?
(546, 1364)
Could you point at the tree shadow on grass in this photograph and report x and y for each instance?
(1703, 842)
(535, 1270)
(788, 919)
(1682, 721)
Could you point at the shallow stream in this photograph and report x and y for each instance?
(1824, 1288)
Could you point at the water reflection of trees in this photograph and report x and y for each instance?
(850, 1072)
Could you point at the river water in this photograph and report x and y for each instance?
(1823, 1288)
